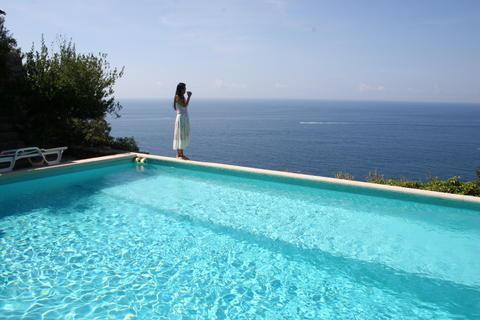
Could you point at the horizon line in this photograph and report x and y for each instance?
(308, 99)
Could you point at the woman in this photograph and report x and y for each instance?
(181, 134)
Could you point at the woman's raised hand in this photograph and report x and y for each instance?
(189, 93)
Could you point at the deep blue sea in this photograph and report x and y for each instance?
(398, 139)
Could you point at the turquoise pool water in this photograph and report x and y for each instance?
(164, 242)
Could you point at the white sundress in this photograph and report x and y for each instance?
(181, 134)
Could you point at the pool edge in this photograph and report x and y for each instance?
(321, 179)
(265, 172)
(18, 174)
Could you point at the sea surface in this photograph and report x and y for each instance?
(397, 139)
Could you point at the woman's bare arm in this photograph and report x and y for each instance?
(181, 101)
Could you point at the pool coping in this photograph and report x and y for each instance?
(229, 167)
(65, 165)
(321, 179)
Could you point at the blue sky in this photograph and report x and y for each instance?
(369, 50)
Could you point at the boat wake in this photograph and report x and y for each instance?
(323, 122)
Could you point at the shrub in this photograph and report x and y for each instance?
(452, 185)
(125, 143)
(375, 177)
(344, 175)
(96, 133)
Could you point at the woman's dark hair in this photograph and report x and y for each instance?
(180, 87)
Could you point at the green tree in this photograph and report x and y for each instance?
(12, 73)
(70, 94)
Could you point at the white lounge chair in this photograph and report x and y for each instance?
(9, 157)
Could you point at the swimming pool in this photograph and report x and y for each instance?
(176, 241)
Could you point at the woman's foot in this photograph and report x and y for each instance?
(179, 154)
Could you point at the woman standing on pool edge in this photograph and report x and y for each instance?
(181, 134)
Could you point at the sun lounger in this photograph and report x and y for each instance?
(44, 156)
